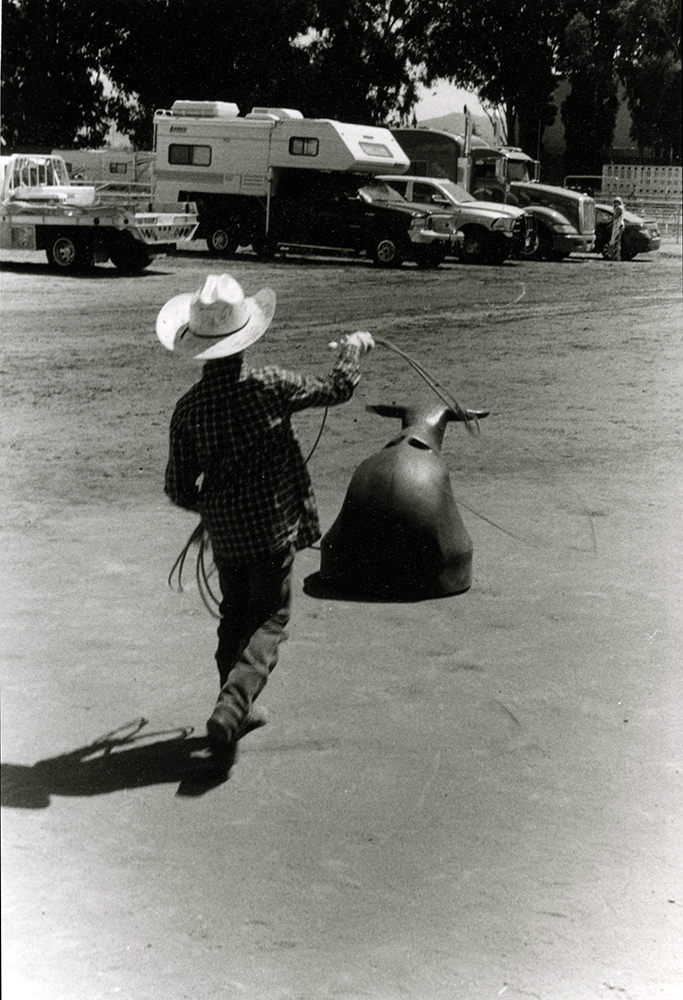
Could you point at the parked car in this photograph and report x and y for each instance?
(492, 232)
(639, 236)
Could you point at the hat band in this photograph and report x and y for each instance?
(212, 336)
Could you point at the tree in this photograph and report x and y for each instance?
(505, 50)
(363, 62)
(70, 67)
(51, 94)
(589, 112)
(649, 63)
(242, 51)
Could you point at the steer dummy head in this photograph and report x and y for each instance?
(425, 424)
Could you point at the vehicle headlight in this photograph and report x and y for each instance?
(564, 229)
(418, 222)
(504, 223)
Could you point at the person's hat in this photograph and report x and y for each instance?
(216, 321)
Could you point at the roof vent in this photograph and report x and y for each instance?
(205, 109)
(274, 114)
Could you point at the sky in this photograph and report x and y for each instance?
(444, 99)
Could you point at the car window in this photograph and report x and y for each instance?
(457, 191)
(429, 194)
(378, 192)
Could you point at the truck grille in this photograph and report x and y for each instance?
(587, 215)
(524, 230)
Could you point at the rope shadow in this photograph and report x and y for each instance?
(123, 759)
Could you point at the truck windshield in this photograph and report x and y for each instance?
(518, 171)
(378, 191)
(456, 191)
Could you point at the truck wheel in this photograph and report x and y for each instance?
(264, 248)
(68, 254)
(429, 257)
(131, 259)
(545, 249)
(476, 248)
(386, 252)
(221, 241)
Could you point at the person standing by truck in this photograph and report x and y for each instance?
(612, 251)
(233, 430)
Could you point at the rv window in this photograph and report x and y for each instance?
(375, 149)
(303, 147)
(198, 156)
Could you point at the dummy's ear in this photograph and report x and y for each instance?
(471, 414)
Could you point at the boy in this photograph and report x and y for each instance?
(233, 429)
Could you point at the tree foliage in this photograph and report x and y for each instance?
(505, 50)
(587, 58)
(51, 95)
(649, 63)
(362, 60)
(70, 67)
(240, 51)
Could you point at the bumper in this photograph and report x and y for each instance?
(573, 242)
(449, 241)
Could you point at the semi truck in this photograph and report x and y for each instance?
(275, 181)
(80, 224)
(565, 219)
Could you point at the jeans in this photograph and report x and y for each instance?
(255, 609)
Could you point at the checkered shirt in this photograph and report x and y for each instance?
(233, 429)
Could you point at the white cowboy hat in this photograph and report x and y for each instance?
(216, 321)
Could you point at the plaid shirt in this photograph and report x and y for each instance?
(233, 429)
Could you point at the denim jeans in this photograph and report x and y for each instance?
(255, 609)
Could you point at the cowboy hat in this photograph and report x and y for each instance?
(216, 321)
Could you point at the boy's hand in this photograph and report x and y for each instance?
(360, 339)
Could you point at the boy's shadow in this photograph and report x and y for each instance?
(124, 758)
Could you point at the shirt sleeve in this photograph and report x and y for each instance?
(304, 391)
(182, 471)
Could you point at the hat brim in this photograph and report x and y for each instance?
(174, 332)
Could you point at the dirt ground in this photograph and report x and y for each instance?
(471, 798)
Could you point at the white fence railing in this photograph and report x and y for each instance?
(653, 192)
(630, 180)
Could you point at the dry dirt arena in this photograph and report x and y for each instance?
(471, 798)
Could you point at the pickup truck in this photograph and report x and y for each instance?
(79, 224)
(491, 232)
(356, 214)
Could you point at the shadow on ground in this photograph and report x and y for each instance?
(124, 758)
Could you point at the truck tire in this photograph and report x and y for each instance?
(545, 250)
(476, 247)
(429, 257)
(264, 248)
(131, 258)
(221, 240)
(67, 253)
(386, 251)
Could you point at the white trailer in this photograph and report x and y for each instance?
(77, 224)
(117, 171)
